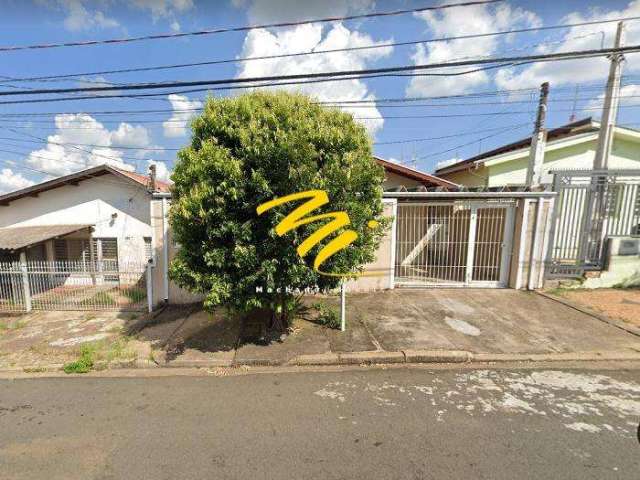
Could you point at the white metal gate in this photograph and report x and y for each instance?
(74, 285)
(453, 244)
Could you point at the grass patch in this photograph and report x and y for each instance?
(84, 364)
(100, 351)
(135, 295)
(5, 325)
(327, 316)
(558, 291)
(102, 299)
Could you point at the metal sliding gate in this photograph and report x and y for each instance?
(590, 206)
(453, 244)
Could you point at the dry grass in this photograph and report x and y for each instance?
(621, 304)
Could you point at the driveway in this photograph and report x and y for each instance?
(482, 321)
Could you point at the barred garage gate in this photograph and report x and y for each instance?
(459, 243)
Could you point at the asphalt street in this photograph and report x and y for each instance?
(396, 423)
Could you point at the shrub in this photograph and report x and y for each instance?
(327, 316)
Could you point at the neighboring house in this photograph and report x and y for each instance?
(102, 212)
(401, 178)
(572, 146)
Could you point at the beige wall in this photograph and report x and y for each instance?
(179, 295)
(382, 266)
(393, 180)
(476, 177)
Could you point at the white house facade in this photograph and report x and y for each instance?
(114, 204)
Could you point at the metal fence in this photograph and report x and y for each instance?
(74, 285)
(591, 206)
(460, 243)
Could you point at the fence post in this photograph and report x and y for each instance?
(149, 288)
(25, 281)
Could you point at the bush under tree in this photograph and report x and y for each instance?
(251, 149)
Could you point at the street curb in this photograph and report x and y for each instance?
(371, 357)
(454, 356)
(437, 356)
(598, 316)
(408, 357)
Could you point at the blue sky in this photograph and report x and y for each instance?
(67, 136)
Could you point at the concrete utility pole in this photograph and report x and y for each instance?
(538, 141)
(610, 108)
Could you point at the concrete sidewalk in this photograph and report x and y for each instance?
(409, 326)
(386, 327)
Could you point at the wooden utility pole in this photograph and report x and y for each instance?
(538, 141)
(610, 108)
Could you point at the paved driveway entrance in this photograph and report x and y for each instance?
(482, 321)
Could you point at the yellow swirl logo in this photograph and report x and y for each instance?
(298, 217)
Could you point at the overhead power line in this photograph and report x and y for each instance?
(315, 52)
(152, 149)
(214, 31)
(369, 73)
(378, 103)
(163, 95)
(448, 150)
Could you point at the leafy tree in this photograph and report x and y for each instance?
(246, 151)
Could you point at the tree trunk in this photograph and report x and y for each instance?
(284, 313)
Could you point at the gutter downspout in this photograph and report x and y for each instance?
(165, 250)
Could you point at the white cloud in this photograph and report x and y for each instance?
(10, 181)
(162, 171)
(175, 26)
(453, 22)
(302, 38)
(176, 126)
(274, 11)
(127, 135)
(80, 18)
(81, 142)
(163, 8)
(577, 38)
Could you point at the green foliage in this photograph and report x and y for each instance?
(100, 351)
(84, 364)
(248, 150)
(327, 316)
(135, 294)
(100, 298)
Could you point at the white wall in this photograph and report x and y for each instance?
(92, 202)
